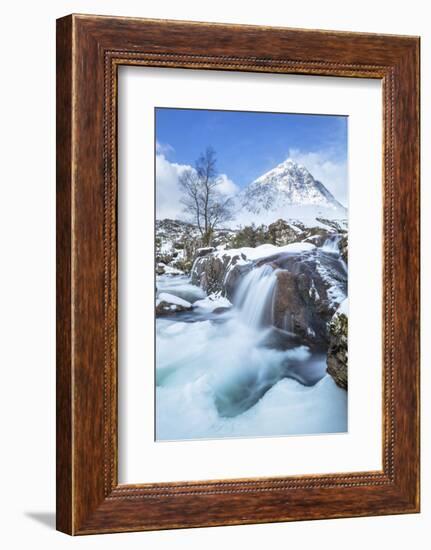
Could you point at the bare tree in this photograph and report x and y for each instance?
(201, 197)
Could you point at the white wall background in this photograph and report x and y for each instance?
(27, 240)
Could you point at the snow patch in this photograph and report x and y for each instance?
(265, 250)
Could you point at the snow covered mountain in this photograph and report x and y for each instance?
(289, 185)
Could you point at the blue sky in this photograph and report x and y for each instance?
(248, 144)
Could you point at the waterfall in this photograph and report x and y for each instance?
(331, 244)
(254, 297)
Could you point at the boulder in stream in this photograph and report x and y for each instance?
(168, 304)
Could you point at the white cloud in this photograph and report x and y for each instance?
(322, 167)
(227, 186)
(168, 193)
(164, 148)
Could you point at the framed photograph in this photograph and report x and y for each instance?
(237, 274)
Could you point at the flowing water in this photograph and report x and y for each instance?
(331, 244)
(255, 295)
(232, 374)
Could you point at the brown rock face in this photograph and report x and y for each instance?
(301, 306)
(218, 274)
(337, 351)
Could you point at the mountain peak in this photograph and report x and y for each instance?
(288, 184)
(287, 171)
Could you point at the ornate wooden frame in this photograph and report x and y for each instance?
(89, 51)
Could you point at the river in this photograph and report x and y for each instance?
(230, 373)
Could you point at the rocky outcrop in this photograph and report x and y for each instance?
(281, 233)
(337, 225)
(177, 243)
(343, 246)
(305, 294)
(337, 351)
(284, 232)
(208, 272)
(218, 272)
(301, 305)
(316, 235)
(200, 252)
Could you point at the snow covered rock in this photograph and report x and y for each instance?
(337, 351)
(178, 243)
(168, 304)
(214, 303)
(208, 273)
(218, 271)
(160, 268)
(200, 252)
(282, 232)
